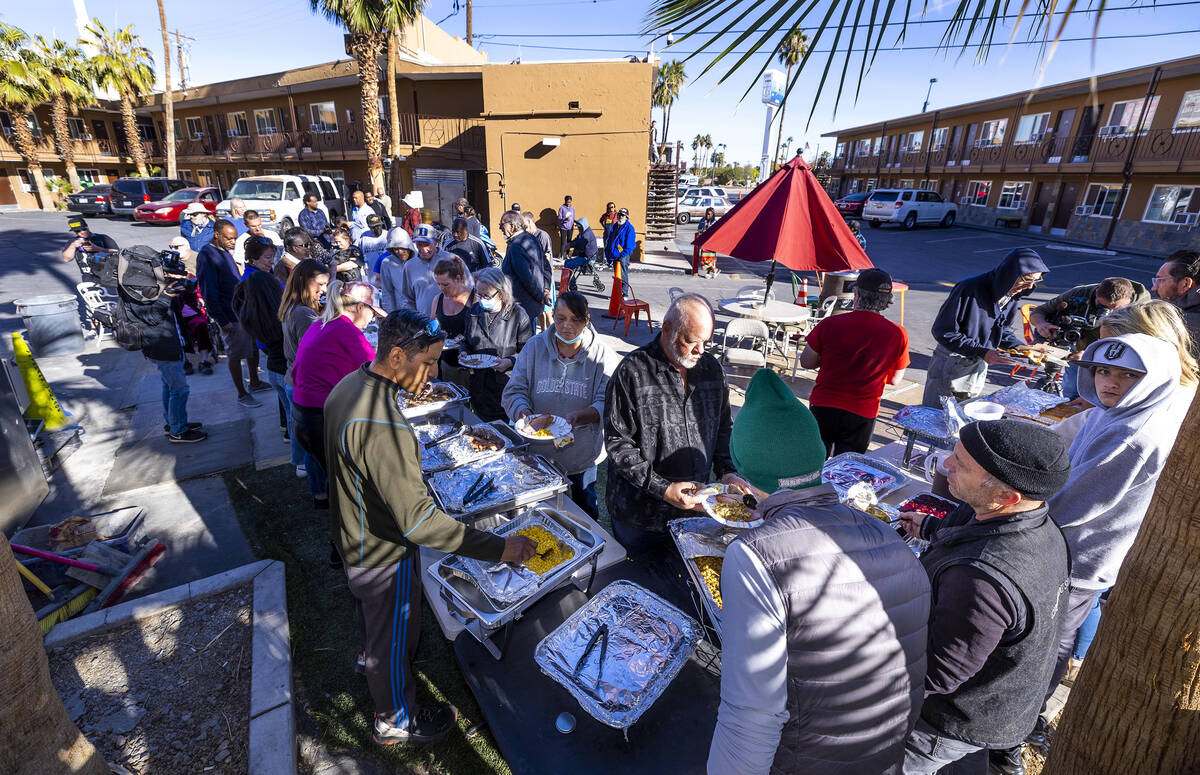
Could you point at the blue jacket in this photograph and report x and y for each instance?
(621, 242)
(197, 238)
(971, 321)
(217, 275)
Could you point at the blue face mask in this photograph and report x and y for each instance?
(560, 337)
(490, 305)
(324, 297)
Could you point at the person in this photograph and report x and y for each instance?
(1090, 303)
(1162, 320)
(297, 246)
(418, 287)
(566, 225)
(389, 268)
(564, 371)
(450, 309)
(473, 225)
(299, 309)
(707, 260)
(867, 352)
(378, 208)
(358, 214)
(666, 428)
(516, 207)
(196, 225)
(252, 222)
(329, 350)
(542, 237)
(796, 695)
(383, 514)
(973, 324)
(1133, 381)
(154, 309)
(1178, 281)
(467, 246)
(998, 567)
(88, 250)
(410, 215)
(313, 219)
(256, 301)
(217, 276)
(237, 214)
(346, 260)
(856, 230)
(494, 325)
(584, 250)
(375, 242)
(608, 221)
(523, 265)
(547, 250)
(198, 346)
(617, 248)
(186, 254)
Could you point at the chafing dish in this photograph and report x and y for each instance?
(501, 483)
(459, 451)
(849, 468)
(701, 537)
(447, 394)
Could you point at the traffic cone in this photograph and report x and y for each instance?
(802, 294)
(42, 403)
(618, 294)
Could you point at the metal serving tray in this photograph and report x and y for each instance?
(459, 452)
(837, 468)
(521, 480)
(701, 537)
(460, 584)
(456, 395)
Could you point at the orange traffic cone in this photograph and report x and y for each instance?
(618, 294)
(42, 403)
(802, 294)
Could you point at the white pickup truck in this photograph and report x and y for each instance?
(908, 207)
(280, 198)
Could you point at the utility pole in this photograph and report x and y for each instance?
(179, 52)
(469, 23)
(168, 98)
(928, 92)
(1127, 171)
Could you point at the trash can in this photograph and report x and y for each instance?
(840, 284)
(52, 323)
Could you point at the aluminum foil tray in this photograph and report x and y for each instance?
(520, 479)
(699, 537)
(1025, 401)
(647, 643)
(849, 468)
(450, 394)
(501, 582)
(458, 451)
(924, 421)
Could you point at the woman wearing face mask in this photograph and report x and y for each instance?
(331, 348)
(450, 310)
(300, 308)
(494, 325)
(564, 371)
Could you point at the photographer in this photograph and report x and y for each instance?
(1072, 319)
(88, 250)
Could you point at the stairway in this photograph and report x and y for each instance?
(660, 202)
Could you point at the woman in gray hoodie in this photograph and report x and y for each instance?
(564, 371)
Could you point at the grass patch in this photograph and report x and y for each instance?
(276, 515)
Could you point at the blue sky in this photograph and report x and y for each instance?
(235, 39)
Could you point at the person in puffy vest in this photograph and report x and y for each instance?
(824, 613)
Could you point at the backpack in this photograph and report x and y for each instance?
(139, 278)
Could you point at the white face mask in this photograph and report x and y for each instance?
(562, 339)
(490, 305)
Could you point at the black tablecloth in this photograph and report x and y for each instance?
(521, 703)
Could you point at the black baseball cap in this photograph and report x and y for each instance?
(516, 208)
(76, 224)
(374, 221)
(874, 281)
(623, 211)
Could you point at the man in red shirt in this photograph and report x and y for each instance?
(866, 352)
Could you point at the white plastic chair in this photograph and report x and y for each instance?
(674, 292)
(818, 314)
(99, 308)
(739, 330)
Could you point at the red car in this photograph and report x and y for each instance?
(851, 205)
(168, 210)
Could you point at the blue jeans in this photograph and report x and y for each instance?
(1087, 630)
(174, 394)
(1070, 381)
(279, 382)
(298, 453)
(626, 291)
(926, 751)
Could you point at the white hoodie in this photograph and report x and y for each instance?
(1116, 459)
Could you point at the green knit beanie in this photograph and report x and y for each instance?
(775, 442)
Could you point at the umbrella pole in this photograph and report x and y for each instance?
(770, 282)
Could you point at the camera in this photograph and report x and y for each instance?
(172, 263)
(1071, 328)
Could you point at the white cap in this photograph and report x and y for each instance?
(1114, 354)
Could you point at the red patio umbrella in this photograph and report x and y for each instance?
(788, 219)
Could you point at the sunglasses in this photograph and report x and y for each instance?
(431, 329)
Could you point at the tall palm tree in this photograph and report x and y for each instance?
(791, 50)
(24, 83)
(697, 141)
(70, 86)
(124, 65)
(393, 51)
(369, 23)
(666, 90)
(707, 144)
(168, 97)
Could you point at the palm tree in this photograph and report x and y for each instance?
(124, 65)
(24, 85)
(369, 23)
(697, 141)
(70, 84)
(706, 143)
(393, 51)
(792, 49)
(168, 97)
(666, 90)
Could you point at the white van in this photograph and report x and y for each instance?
(280, 198)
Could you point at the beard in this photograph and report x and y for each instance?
(683, 360)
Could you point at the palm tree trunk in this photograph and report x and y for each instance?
(666, 126)
(129, 124)
(168, 100)
(367, 49)
(62, 138)
(39, 736)
(28, 150)
(1133, 709)
(787, 79)
(393, 51)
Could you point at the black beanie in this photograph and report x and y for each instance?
(1026, 457)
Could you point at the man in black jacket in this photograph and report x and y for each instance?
(999, 569)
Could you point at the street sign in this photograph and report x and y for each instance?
(773, 83)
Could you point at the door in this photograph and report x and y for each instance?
(952, 149)
(1087, 128)
(1066, 206)
(968, 144)
(1062, 134)
(7, 195)
(440, 189)
(1041, 202)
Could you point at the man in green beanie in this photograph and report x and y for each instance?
(824, 613)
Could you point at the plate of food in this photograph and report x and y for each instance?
(542, 427)
(452, 342)
(726, 505)
(847, 469)
(1034, 357)
(929, 504)
(477, 360)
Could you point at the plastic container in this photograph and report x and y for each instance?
(52, 323)
(983, 410)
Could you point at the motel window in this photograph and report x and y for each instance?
(992, 132)
(34, 127)
(906, 183)
(978, 192)
(841, 149)
(1013, 195)
(89, 177)
(871, 184)
(1173, 204)
(915, 140)
(75, 129)
(1031, 128)
(1189, 111)
(237, 124)
(324, 117)
(178, 127)
(937, 138)
(245, 173)
(185, 175)
(929, 185)
(1102, 198)
(195, 128)
(1123, 118)
(264, 121)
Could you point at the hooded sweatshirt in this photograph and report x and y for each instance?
(420, 288)
(1116, 459)
(971, 320)
(543, 381)
(390, 269)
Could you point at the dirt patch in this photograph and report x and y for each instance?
(169, 693)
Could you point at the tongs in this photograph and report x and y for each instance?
(601, 635)
(478, 490)
(458, 431)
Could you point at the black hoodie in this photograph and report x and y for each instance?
(971, 322)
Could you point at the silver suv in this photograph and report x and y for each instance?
(908, 207)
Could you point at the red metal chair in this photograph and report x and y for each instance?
(631, 309)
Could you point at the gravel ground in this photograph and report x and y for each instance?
(169, 693)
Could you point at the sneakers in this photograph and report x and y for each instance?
(192, 426)
(188, 368)
(1007, 761)
(249, 401)
(206, 368)
(258, 387)
(190, 436)
(431, 723)
(301, 471)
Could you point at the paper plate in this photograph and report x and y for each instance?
(710, 494)
(558, 428)
(477, 360)
(452, 343)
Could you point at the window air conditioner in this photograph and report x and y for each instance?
(1083, 210)
(1185, 219)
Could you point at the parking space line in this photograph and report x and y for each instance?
(1100, 261)
(955, 239)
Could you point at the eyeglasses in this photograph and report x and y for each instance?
(1158, 279)
(489, 296)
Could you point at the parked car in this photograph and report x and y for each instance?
(280, 198)
(93, 200)
(128, 193)
(704, 191)
(908, 207)
(694, 206)
(851, 205)
(168, 209)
